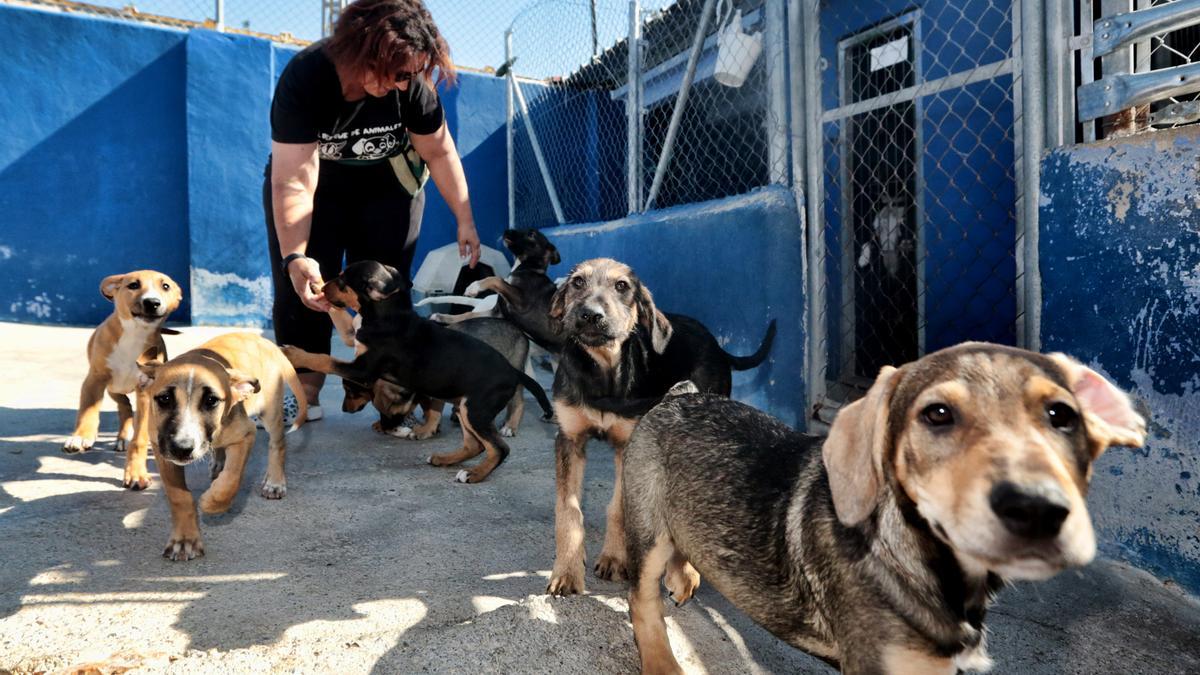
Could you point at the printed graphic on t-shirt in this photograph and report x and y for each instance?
(375, 147)
(362, 144)
(331, 149)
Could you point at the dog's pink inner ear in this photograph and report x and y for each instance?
(1102, 402)
(242, 385)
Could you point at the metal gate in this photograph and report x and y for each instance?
(913, 172)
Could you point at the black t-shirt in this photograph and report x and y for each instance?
(309, 108)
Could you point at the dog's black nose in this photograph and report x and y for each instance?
(587, 315)
(151, 304)
(1031, 512)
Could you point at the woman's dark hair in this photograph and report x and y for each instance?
(382, 36)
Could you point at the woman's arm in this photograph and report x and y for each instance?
(445, 168)
(294, 168)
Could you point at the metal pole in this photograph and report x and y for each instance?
(1032, 143)
(1060, 68)
(595, 36)
(537, 150)
(776, 64)
(220, 15)
(808, 38)
(680, 102)
(508, 133)
(633, 111)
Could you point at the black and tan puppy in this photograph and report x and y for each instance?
(394, 403)
(620, 356)
(201, 403)
(130, 336)
(424, 357)
(879, 549)
(526, 294)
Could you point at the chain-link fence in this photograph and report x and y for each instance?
(917, 195)
(1167, 50)
(1134, 66)
(697, 113)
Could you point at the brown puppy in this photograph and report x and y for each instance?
(201, 402)
(880, 548)
(620, 355)
(130, 336)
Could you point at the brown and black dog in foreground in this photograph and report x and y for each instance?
(201, 402)
(880, 548)
(130, 336)
(620, 355)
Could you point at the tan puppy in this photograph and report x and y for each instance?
(201, 401)
(130, 336)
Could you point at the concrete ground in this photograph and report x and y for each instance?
(376, 561)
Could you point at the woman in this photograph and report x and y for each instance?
(356, 127)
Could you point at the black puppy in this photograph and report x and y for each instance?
(525, 296)
(425, 357)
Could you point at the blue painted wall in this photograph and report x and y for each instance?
(734, 264)
(1120, 264)
(136, 146)
(93, 170)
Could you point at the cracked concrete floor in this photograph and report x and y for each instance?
(376, 561)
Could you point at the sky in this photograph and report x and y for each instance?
(550, 37)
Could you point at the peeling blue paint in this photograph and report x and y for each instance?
(1120, 263)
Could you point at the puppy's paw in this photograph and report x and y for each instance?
(470, 476)
(136, 478)
(610, 567)
(184, 546)
(294, 354)
(473, 290)
(79, 444)
(420, 434)
(682, 583)
(401, 432)
(508, 432)
(212, 505)
(273, 490)
(564, 582)
(438, 317)
(121, 444)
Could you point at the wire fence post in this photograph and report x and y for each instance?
(777, 115)
(664, 158)
(633, 110)
(1032, 140)
(511, 166)
(543, 168)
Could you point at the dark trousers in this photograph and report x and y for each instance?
(359, 213)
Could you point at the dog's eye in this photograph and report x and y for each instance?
(166, 286)
(134, 285)
(164, 399)
(1062, 417)
(210, 401)
(621, 286)
(577, 282)
(938, 415)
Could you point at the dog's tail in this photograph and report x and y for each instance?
(293, 383)
(473, 303)
(538, 393)
(748, 362)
